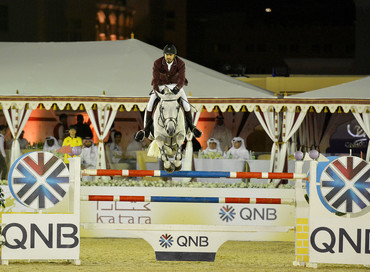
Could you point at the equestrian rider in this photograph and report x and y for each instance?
(168, 70)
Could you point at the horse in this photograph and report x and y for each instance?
(169, 131)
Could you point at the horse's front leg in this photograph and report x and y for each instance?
(178, 156)
(164, 157)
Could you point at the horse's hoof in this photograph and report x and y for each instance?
(170, 169)
(178, 168)
(167, 165)
(177, 163)
(139, 136)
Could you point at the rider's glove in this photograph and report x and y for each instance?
(175, 90)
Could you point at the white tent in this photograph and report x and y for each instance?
(102, 76)
(352, 96)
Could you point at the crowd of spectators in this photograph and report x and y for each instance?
(220, 144)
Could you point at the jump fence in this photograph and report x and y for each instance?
(191, 174)
(186, 199)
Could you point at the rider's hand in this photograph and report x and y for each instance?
(175, 90)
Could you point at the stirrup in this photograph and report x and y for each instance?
(139, 136)
(197, 132)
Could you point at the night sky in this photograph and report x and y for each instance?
(311, 12)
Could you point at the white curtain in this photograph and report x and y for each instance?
(270, 122)
(312, 130)
(291, 122)
(280, 126)
(102, 119)
(363, 120)
(16, 119)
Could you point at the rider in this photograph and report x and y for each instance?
(168, 70)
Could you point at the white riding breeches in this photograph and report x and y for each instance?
(153, 96)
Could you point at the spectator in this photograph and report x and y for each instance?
(61, 129)
(72, 140)
(221, 133)
(89, 156)
(51, 144)
(83, 129)
(213, 149)
(238, 150)
(23, 143)
(112, 130)
(115, 148)
(3, 167)
(132, 147)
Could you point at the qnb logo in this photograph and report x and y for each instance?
(166, 240)
(227, 213)
(38, 180)
(344, 185)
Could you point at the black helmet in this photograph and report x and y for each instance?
(169, 49)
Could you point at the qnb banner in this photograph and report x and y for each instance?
(40, 181)
(40, 236)
(339, 229)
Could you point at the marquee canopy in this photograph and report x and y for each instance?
(116, 73)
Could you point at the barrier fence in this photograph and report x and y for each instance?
(187, 199)
(191, 174)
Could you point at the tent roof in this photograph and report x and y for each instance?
(119, 71)
(349, 96)
(357, 89)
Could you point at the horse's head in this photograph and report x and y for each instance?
(169, 110)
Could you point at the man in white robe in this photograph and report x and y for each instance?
(88, 157)
(221, 133)
(51, 144)
(238, 150)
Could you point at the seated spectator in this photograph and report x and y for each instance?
(23, 143)
(132, 147)
(51, 144)
(89, 156)
(213, 149)
(71, 141)
(115, 148)
(110, 138)
(238, 150)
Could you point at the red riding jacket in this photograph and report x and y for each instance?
(176, 75)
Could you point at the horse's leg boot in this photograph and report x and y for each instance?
(189, 120)
(141, 134)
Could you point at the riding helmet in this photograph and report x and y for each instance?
(169, 49)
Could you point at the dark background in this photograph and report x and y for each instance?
(238, 37)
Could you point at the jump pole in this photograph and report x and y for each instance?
(192, 174)
(187, 199)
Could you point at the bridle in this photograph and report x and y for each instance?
(170, 119)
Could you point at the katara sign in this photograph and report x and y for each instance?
(38, 180)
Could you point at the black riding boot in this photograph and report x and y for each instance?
(141, 134)
(189, 120)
